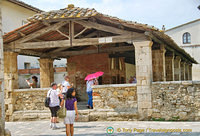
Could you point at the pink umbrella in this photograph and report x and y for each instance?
(94, 75)
(98, 74)
(90, 76)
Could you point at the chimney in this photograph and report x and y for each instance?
(163, 27)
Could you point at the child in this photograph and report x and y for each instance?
(71, 107)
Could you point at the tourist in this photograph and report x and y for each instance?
(134, 80)
(131, 80)
(34, 84)
(71, 107)
(66, 85)
(89, 85)
(54, 105)
(59, 88)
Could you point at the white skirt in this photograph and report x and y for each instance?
(70, 117)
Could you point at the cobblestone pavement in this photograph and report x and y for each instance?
(121, 128)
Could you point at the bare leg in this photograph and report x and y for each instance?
(67, 129)
(72, 129)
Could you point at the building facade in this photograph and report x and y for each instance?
(14, 15)
(187, 37)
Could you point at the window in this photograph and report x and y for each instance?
(27, 65)
(186, 38)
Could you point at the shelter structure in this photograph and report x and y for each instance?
(92, 42)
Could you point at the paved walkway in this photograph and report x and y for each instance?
(121, 128)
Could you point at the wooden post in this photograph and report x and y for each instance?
(71, 32)
(190, 72)
(182, 70)
(46, 72)
(143, 56)
(177, 68)
(158, 62)
(169, 63)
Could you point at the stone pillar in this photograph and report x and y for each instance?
(143, 57)
(182, 70)
(2, 111)
(169, 66)
(158, 63)
(46, 72)
(10, 82)
(177, 68)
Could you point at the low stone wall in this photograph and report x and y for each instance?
(29, 104)
(114, 102)
(177, 100)
(30, 99)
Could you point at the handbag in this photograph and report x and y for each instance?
(47, 100)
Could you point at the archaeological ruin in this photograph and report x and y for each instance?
(92, 42)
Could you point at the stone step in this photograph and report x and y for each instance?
(31, 115)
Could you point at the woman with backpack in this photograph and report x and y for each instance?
(54, 104)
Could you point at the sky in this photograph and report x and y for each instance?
(152, 12)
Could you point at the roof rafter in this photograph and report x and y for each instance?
(101, 27)
(41, 32)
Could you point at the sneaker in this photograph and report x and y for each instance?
(50, 125)
(55, 127)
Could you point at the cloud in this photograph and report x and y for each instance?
(153, 12)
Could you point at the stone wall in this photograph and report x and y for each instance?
(114, 102)
(30, 99)
(177, 100)
(29, 104)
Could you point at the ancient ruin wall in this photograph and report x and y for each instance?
(114, 102)
(30, 99)
(176, 100)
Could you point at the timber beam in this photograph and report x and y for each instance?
(79, 42)
(89, 24)
(41, 32)
(85, 52)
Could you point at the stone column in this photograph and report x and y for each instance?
(169, 66)
(177, 68)
(158, 63)
(46, 72)
(10, 82)
(143, 57)
(182, 70)
(2, 111)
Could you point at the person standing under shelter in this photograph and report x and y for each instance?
(54, 104)
(34, 83)
(66, 85)
(89, 85)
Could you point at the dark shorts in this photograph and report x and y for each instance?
(54, 111)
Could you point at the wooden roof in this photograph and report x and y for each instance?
(49, 31)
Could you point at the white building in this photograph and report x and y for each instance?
(187, 36)
(14, 15)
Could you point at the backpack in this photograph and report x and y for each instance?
(47, 100)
